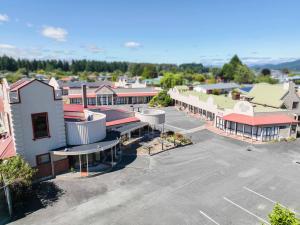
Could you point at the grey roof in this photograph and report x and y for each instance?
(130, 127)
(219, 86)
(112, 139)
(78, 84)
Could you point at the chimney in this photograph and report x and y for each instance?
(84, 97)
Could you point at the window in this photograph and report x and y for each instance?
(295, 105)
(42, 159)
(40, 125)
(75, 101)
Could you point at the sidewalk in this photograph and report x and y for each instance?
(215, 130)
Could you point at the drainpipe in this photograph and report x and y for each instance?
(84, 96)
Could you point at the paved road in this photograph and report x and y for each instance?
(215, 181)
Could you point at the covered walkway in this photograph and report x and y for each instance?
(258, 128)
(83, 157)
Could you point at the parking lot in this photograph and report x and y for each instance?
(214, 181)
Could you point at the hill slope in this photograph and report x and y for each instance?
(294, 65)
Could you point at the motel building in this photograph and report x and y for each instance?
(268, 112)
(54, 137)
(105, 93)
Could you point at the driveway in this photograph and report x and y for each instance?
(215, 181)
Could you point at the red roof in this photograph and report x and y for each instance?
(122, 121)
(259, 120)
(79, 107)
(136, 94)
(16, 86)
(1, 105)
(7, 148)
(73, 108)
(129, 94)
(73, 117)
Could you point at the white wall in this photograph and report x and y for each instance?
(87, 132)
(37, 97)
(151, 116)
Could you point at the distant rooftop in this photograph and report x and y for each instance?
(218, 86)
(78, 84)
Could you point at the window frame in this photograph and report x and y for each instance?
(42, 163)
(295, 105)
(33, 125)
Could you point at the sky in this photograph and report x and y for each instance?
(165, 31)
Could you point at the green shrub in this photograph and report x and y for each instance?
(290, 139)
(216, 92)
(162, 99)
(283, 216)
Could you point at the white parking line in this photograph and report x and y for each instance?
(212, 220)
(193, 130)
(178, 128)
(247, 211)
(260, 195)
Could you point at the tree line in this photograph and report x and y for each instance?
(147, 70)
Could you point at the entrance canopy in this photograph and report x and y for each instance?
(110, 141)
(259, 120)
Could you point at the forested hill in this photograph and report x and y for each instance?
(294, 65)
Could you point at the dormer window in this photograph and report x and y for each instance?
(40, 125)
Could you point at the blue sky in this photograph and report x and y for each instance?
(165, 31)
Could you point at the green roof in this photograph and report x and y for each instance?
(267, 94)
(221, 101)
(224, 102)
(261, 108)
(201, 96)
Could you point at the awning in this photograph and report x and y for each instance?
(130, 127)
(260, 120)
(110, 141)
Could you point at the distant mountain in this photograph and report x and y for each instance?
(293, 65)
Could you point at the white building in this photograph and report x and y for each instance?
(37, 128)
(36, 125)
(126, 82)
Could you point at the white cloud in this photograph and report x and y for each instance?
(4, 18)
(132, 44)
(94, 49)
(56, 33)
(37, 52)
(6, 46)
(16, 52)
